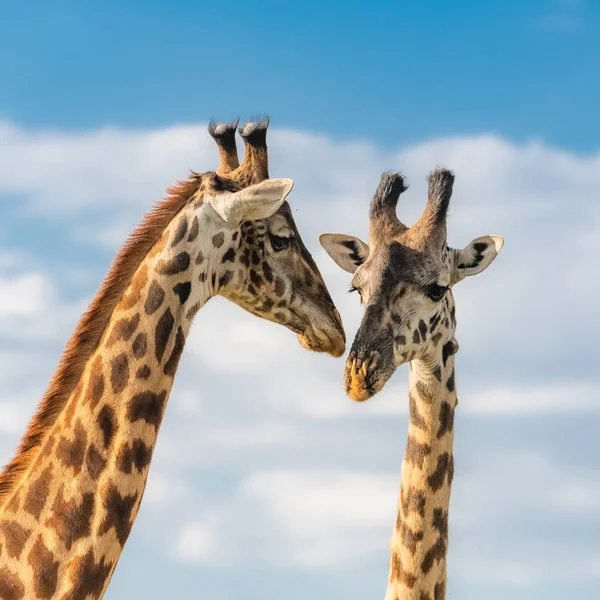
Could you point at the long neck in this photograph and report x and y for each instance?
(64, 528)
(419, 544)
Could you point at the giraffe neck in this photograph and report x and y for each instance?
(64, 528)
(419, 544)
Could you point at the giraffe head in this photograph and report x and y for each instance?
(404, 277)
(265, 266)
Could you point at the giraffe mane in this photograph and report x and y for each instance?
(90, 328)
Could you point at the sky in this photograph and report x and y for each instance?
(290, 488)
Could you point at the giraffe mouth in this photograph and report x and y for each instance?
(363, 378)
(330, 339)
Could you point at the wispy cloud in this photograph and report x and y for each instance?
(261, 453)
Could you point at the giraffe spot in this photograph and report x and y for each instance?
(398, 573)
(416, 452)
(437, 552)
(279, 287)
(412, 501)
(119, 373)
(191, 313)
(71, 519)
(124, 329)
(251, 290)
(118, 513)
(95, 388)
(416, 337)
(38, 493)
(107, 423)
(194, 230)
(137, 455)
(255, 278)
(401, 340)
(183, 291)
(425, 394)
(424, 596)
(439, 592)
(180, 232)
(202, 277)
(446, 419)
(245, 258)
(173, 361)
(435, 321)
(450, 382)
(437, 478)
(175, 265)
(200, 258)
(437, 373)
(15, 538)
(448, 349)
(451, 469)
(267, 305)
(72, 453)
(134, 291)
(154, 299)
(436, 338)
(45, 570)
(225, 278)
(164, 327)
(140, 345)
(422, 329)
(88, 577)
(218, 239)
(229, 256)
(147, 406)
(11, 587)
(143, 372)
(255, 257)
(415, 417)
(213, 279)
(268, 272)
(95, 462)
(410, 539)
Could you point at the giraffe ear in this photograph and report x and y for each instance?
(477, 256)
(258, 201)
(347, 251)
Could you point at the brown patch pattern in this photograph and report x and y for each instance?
(147, 406)
(15, 538)
(118, 513)
(72, 453)
(71, 519)
(45, 570)
(173, 362)
(119, 373)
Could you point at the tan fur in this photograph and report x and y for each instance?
(90, 328)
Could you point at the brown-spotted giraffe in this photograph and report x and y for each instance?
(404, 277)
(70, 496)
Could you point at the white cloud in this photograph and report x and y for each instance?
(262, 455)
(321, 518)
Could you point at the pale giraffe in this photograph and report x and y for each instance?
(404, 277)
(70, 496)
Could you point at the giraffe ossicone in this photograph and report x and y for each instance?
(69, 497)
(405, 276)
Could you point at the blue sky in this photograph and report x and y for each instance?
(387, 71)
(289, 489)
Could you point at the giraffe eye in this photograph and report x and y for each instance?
(435, 292)
(279, 243)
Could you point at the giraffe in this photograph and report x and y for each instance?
(405, 276)
(69, 498)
